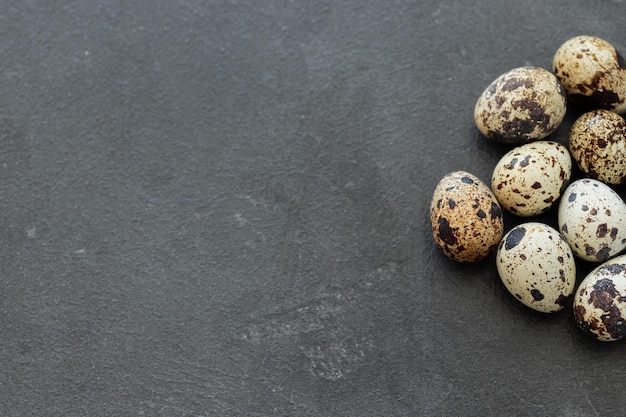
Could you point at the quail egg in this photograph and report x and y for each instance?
(592, 73)
(529, 179)
(592, 219)
(521, 105)
(597, 142)
(600, 301)
(537, 266)
(466, 218)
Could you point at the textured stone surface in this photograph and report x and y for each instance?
(220, 208)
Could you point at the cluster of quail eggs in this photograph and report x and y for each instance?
(536, 261)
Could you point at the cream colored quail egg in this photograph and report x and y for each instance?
(529, 179)
(592, 219)
(600, 301)
(537, 266)
(592, 73)
(466, 218)
(521, 105)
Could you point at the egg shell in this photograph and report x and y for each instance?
(592, 219)
(597, 141)
(466, 218)
(537, 266)
(521, 105)
(600, 301)
(529, 179)
(591, 72)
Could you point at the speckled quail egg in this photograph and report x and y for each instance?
(592, 73)
(600, 301)
(537, 266)
(592, 219)
(466, 218)
(529, 179)
(597, 141)
(521, 105)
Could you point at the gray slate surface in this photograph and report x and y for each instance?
(219, 208)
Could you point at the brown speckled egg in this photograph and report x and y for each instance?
(597, 141)
(592, 219)
(522, 105)
(529, 179)
(600, 301)
(466, 218)
(592, 73)
(537, 266)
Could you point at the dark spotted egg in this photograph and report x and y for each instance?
(597, 141)
(466, 218)
(521, 105)
(592, 73)
(600, 301)
(592, 219)
(529, 179)
(537, 266)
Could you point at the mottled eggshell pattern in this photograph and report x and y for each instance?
(529, 179)
(537, 266)
(592, 219)
(466, 218)
(591, 72)
(597, 142)
(600, 301)
(524, 104)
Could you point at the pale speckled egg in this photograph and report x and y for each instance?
(592, 73)
(537, 266)
(521, 105)
(592, 219)
(466, 218)
(600, 301)
(529, 179)
(597, 141)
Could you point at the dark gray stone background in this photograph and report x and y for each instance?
(220, 208)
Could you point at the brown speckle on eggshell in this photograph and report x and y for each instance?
(466, 218)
